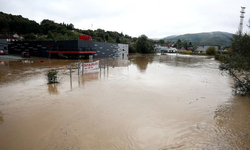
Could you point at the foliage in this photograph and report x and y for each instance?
(144, 45)
(50, 30)
(211, 50)
(17, 24)
(132, 48)
(210, 38)
(52, 76)
(30, 37)
(237, 63)
(161, 42)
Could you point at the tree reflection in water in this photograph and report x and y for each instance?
(1, 117)
(141, 62)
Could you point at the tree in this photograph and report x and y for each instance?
(118, 40)
(237, 63)
(106, 37)
(178, 43)
(211, 50)
(143, 45)
(161, 41)
(30, 37)
(190, 44)
(132, 48)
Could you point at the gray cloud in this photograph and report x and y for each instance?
(156, 19)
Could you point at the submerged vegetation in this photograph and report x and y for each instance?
(237, 63)
(52, 76)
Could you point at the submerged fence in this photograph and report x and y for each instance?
(103, 63)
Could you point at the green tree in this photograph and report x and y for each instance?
(30, 37)
(211, 50)
(161, 41)
(143, 45)
(178, 44)
(132, 48)
(118, 40)
(237, 63)
(106, 37)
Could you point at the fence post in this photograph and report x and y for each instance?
(70, 70)
(107, 63)
(78, 68)
(100, 64)
(82, 68)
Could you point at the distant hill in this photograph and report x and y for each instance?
(50, 30)
(206, 38)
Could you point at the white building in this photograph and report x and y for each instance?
(122, 51)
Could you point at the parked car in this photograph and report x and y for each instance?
(25, 54)
(2, 52)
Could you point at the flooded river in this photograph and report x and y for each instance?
(148, 102)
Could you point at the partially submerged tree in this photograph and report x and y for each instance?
(237, 63)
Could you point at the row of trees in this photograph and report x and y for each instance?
(50, 30)
(237, 63)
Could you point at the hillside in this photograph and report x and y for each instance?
(208, 38)
(50, 30)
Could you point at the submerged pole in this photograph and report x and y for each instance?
(82, 68)
(70, 70)
(100, 64)
(107, 63)
(78, 68)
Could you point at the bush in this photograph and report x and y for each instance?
(52, 76)
(211, 50)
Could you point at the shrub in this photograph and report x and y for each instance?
(211, 50)
(52, 76)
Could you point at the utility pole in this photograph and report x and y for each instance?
(241, 19)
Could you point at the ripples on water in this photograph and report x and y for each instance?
(147, 102)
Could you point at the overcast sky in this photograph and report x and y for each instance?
(155, 18)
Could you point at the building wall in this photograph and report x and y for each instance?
(42, 48)
(123, 50)
(4, 45)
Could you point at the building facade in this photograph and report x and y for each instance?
(4, 45)
(79, 49)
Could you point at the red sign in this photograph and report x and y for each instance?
(85, 37)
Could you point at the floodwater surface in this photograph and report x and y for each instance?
(148, 102)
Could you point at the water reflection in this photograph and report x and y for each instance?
(176, 60)
(142, 61)
(52, 88)
(1, 117)
(231, 120)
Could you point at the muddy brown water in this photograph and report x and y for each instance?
(148, 102)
